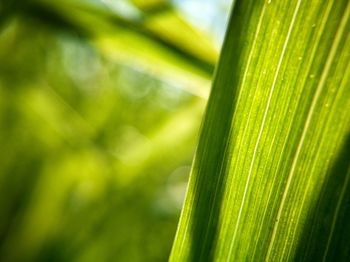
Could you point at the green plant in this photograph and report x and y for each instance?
(91, 100)
(270, 179)
(99, 106)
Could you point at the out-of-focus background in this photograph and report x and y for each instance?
(100, 107)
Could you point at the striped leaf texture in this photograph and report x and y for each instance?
(270, 178)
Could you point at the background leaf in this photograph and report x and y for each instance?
(99, 112)
(141, 39)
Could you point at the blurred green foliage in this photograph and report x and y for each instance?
(96, 139)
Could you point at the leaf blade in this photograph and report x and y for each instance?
(282, 79)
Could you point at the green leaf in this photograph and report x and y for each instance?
(142, 41)
(270, 179)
